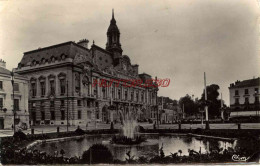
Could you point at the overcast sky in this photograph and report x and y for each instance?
(176, 39)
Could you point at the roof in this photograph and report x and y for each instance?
(4, 71)
(113, 27)
(68, 49)
(8, 72)
(101, 49)
(246, 83)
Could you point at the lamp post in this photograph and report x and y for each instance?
(12, 74)
(156, 103)
(67, 104)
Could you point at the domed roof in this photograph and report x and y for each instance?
(112, 27)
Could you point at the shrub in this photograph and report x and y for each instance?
(79, 131)
(99, 154)
(20, 136)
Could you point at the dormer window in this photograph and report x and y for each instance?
(43, 60)
(53, 59)
(63, 57)
(33, 63)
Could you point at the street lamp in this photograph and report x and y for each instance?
(12, 81)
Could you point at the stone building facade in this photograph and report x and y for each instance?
(244, 95)
(66, 83)
(7, 104)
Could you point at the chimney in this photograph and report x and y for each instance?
(2, 63)
(83, 43)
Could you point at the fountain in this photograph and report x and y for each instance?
(129, 122)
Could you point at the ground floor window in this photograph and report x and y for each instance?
(62, 115)
(97, 115)
(42, 115)
(1, 103)
(52, 115)
(16, 104)
(79, 114)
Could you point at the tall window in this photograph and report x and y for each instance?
(16, 87)
(52, 115)
(62, 102)
(52, 86)
(104, 92)
(126, 94)
(77, 82)
(256, 99)
(88, 103)
(42, 115)
(256, 90)
(246, 100)
(142, 97)
(97, 115)
(79, 114)
(119, 93)
(79, 102)
(62, 86)
(132, 96)
(42, 88)
(237, 101)
(16, 104)
(1, 84)
(113, 92)
(1, 103)
(52, 103)
(137, 96)
(62, 114)
(95, 90)
(246, 91)
(33, 86)
(236, 92)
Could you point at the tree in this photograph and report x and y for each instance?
(190, 107)
(213, 102)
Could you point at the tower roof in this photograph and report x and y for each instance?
(113, 27)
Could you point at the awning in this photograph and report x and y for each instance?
(244, 113)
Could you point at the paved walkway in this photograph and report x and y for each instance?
(51, 129)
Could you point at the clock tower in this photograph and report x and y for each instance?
(113, 39)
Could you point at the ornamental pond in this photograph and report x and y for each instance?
(150, 148)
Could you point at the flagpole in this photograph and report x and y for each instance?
(222, 111)
(206, 107)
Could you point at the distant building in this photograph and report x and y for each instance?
(244, 95)
(7, 104)
(65, 83)
(169, 110)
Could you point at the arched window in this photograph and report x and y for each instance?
(52, 84)
(62, 78)
(119, 93)
(33, 86)
(42, 81)
(77, 82)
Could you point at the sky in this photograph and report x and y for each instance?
(175, 39)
